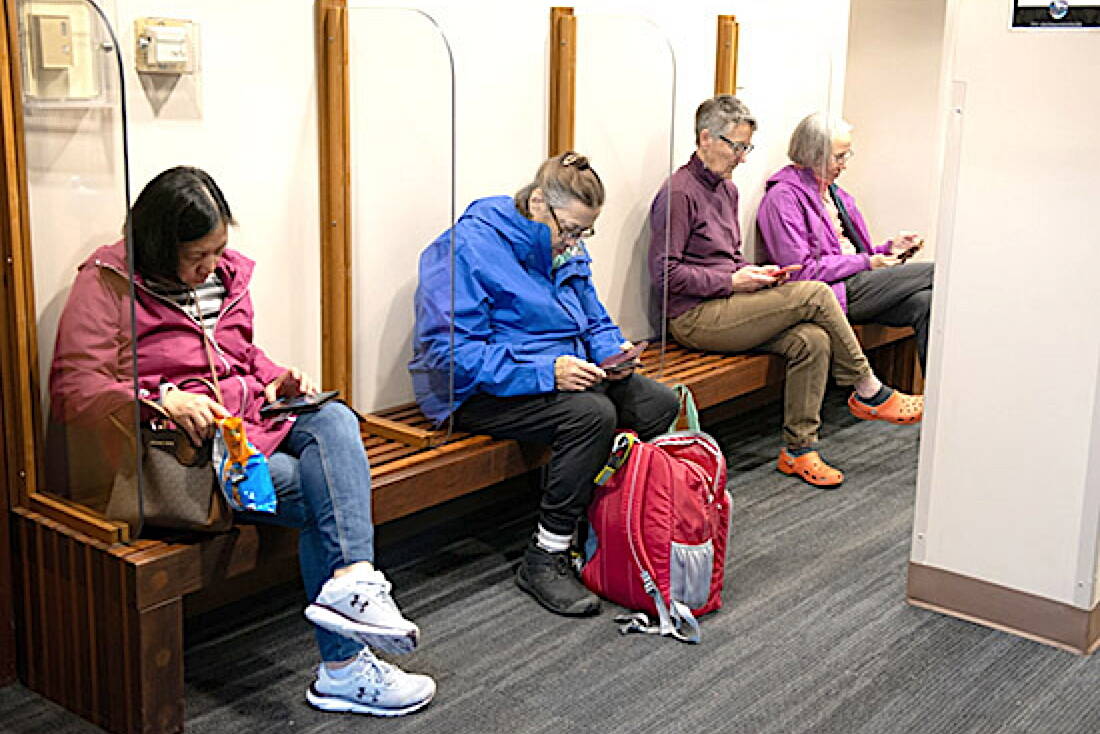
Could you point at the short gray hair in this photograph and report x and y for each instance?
(720, 114)
(812, 140)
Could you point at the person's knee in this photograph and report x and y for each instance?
(338, 415)
(590, 413)
(921, 304)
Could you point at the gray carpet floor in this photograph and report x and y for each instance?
(815, 635)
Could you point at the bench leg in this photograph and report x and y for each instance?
(897, 365)
(92, 635)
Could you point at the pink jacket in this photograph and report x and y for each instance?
(92, 364)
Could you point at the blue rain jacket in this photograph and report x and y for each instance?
(513, 315)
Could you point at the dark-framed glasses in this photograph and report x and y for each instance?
(573, 233)
(737, 146)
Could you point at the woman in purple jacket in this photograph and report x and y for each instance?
(192, 300)
(806, 219)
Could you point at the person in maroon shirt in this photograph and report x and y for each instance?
(717, 301)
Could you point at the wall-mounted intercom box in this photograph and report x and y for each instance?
(164, 46)
(66, 55)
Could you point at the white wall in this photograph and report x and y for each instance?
(890, 96)
(792, 62)
(1005, 491)
(249, 117)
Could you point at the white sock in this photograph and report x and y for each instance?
(552, 542)
(868, 386)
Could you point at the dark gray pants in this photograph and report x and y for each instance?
(896, 296)
(579, 427)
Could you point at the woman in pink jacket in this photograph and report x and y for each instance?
(190, 293)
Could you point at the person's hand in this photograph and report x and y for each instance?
(291, 383)
(194, 413)
(904, 241)
(752, 278)
(883, 261)
(572, 374)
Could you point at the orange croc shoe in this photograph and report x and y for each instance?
(810, 468)
(898, 408)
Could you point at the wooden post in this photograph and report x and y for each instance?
(725, 65)
(9, 443)
(333, 125)
(563, 79)
(102, 626)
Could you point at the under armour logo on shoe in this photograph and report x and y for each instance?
(360, 605)
(362, 692)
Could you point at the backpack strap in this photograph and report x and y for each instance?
(677, 621)
(687, 409)
(620, 451)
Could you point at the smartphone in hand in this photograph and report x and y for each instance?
(298, 403)
(784, 271)
(623, 361)
(913, 250)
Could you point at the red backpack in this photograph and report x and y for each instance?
(658, 521)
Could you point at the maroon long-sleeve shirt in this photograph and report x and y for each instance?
(702, 248)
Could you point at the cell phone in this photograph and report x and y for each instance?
(624, 360)
(298, 403)
(910, 252)
(784, 271)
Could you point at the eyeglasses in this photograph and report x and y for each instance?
(737, 146)
(573, 233)
(844, 157)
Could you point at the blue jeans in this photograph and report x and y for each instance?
(322, 482)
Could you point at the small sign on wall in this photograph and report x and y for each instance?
(1054, 14)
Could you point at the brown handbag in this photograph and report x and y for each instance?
(178, 489)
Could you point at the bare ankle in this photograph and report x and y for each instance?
(365, 565)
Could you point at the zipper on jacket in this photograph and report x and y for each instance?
(202, 330)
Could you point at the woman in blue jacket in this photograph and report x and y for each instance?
(529, 333)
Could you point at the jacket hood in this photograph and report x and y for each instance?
(801, 178)
(236, 269)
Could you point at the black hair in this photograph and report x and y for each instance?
(182, 204)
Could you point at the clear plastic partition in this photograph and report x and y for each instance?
(78, 196)
(403, 195)
(625, 124)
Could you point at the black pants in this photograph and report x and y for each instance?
(897, 296)
(579, 427)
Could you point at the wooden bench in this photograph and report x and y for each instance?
(104, 633)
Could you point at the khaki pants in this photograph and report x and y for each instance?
(801, 321)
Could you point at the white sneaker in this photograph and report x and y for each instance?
(358, 605)
(371, 686)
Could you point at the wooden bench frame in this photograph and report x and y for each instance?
(101, 622)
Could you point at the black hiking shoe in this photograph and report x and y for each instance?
(549, 577)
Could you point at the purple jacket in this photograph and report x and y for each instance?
(695, 243)
(91, 371)
(795, 228)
